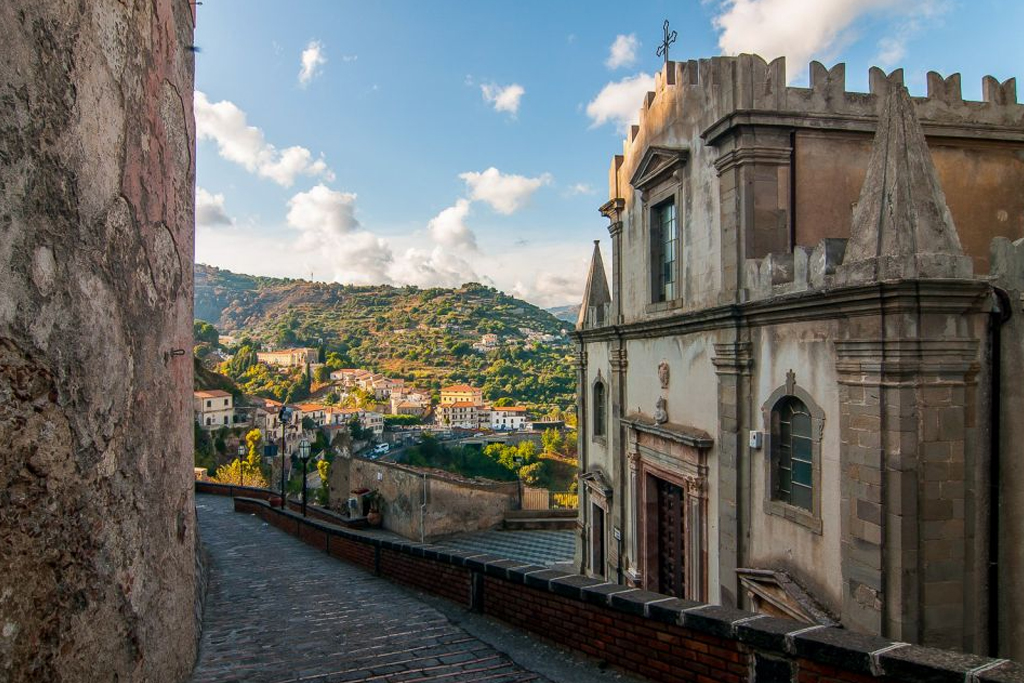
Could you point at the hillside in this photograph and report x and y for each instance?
(422, 335)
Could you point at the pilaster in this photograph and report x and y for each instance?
(906, 417)
(619, 363)
(733, 363)
(582, 429)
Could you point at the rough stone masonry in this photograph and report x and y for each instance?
(97, 173)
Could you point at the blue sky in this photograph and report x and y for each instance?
(433, 143)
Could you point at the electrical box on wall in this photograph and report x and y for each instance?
(755, 440)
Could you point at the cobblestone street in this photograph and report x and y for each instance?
(279, 610)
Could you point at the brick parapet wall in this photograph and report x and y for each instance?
(660, 637)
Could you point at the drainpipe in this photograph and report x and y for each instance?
(1001, 312)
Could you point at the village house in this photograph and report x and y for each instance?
(287, 358)
(459, 414)
(462, 393)
(794, 407)
(508, 418)
(214, 408)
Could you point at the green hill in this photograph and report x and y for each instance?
(422, 335)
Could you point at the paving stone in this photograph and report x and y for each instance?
(279, 610)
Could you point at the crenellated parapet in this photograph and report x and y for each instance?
(1007, 259)
(711, 96)
(803, 269)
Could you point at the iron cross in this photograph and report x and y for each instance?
(670, 37)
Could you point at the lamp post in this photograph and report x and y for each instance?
(304, 456)
(283, 416)
(241, 463)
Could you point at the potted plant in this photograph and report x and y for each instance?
(374, 501)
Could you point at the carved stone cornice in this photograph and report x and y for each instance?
(870, 361)
(959, 297)
(733, 358)
(688, 436)
(753, 155)
(612, 208)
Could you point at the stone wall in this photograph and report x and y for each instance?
(658, 637)
(97, 573)
(422, 505)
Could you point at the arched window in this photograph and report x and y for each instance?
(600, 408)
(792, 453)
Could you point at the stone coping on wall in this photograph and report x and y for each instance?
(851, 654)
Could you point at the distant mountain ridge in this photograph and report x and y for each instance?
(423, 335)
(569, 314)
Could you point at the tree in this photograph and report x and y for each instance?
(504, 402)
(552, 440)
(322, 374)
(253, 439)
(242, 472)
(203, 331)
(323, 494)
(530, 474)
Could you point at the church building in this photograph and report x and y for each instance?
(801, 383)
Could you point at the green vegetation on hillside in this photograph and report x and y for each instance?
(424, 336)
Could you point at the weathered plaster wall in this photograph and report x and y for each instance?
(691, 401)
(96, 243)
(448, 506)
(812, 558)
(981, 181)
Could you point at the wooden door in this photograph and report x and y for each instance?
(671, 556)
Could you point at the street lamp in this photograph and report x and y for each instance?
(283, 416)
(241, 463)
(304, 457)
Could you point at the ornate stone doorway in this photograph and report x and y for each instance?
(669, 487)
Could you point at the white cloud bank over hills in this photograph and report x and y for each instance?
(325, 239)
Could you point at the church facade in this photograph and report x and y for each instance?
(800, 387)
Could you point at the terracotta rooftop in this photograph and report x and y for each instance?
(459, 387)
(212, 393)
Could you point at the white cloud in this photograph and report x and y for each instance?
(623, 51)
(438, 267)
(210, 210)
(312, 60)
(803, 31)
(330, 234)
(323, 211)
(449, 227)
(503, 98)
(619, 102)
(505, 193)
(580, 188)
(237, 141)
(893, 48)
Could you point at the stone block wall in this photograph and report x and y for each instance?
(425, 505)
(97, 571)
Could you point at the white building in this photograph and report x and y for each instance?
(508, 418)
(213, 409)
